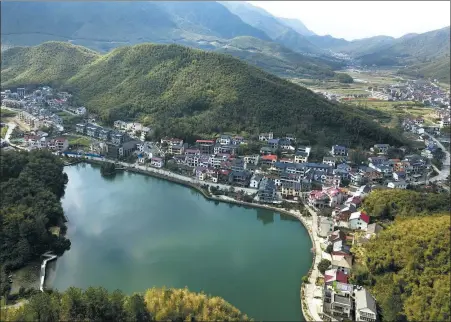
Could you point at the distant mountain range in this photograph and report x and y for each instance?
(282, 46)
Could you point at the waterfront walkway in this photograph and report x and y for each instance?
(309, 289)
(50, 257)
(176, 176)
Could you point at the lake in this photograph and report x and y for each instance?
(134, 232)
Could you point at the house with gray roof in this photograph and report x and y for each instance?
(365, 306)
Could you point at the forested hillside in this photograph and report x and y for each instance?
(97, 304)
(279, 60)
(437, 69)
(185, 92)
(31, 185)
(413, 49)
(408, 269)
(52, 62)
(103, 26)
(388, 203)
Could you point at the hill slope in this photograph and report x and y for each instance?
(273, 27)
(353, 48)
(408, 265)
(438, 69)
(103, 26)
(47, 63)
(277, 59)
(184, 92)
(122, 22)
(413, 49)
(297, 26)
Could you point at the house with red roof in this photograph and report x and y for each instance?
(335, 275)
(269, 159)
(359, 220)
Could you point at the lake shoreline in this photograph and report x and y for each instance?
(197, 188)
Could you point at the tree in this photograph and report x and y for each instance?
(344, 78)
(96, 304)
(107, 169)
(329, 248)
(323, 265)
(136, 310)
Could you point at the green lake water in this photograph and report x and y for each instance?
(133, 232)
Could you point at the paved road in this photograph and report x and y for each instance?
(309, 289)
(11, 127)
(445, 168)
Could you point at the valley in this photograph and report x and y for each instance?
(226, 149)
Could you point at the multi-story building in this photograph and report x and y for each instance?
(301, 157)
(338, 150)
(104, 134)
(337, 301)
(80, 128)
(267, 191)
(265, 136)
(205, 146)
(93, 130)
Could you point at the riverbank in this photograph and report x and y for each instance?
(307, 302)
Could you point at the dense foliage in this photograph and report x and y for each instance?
(50, 63)
(323, 265)
(390, 203)
(185, 92)
(344, 78)
(436, 69)
(97, 304)
(408, 269)
(31, 185)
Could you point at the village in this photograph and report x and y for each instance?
(266, 170)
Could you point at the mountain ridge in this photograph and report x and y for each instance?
(192, 93)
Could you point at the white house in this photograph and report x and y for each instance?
(301, 157)
(225, 140)
(156, 162)
(365, 306)
(265, 136)
(80, 110)
(255, 181)
(359, 220)
(252, 159)
(401, 184)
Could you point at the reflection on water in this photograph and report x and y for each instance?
(265, 216)
(134, 232)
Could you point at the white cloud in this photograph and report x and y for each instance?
(361, 19)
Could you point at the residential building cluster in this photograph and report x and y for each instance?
(340, 299)
(40, 140)
(422, 91)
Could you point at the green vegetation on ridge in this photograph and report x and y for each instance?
(186, 92)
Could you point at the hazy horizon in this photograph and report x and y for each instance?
(363, 19)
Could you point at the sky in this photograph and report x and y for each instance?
(360, 19)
